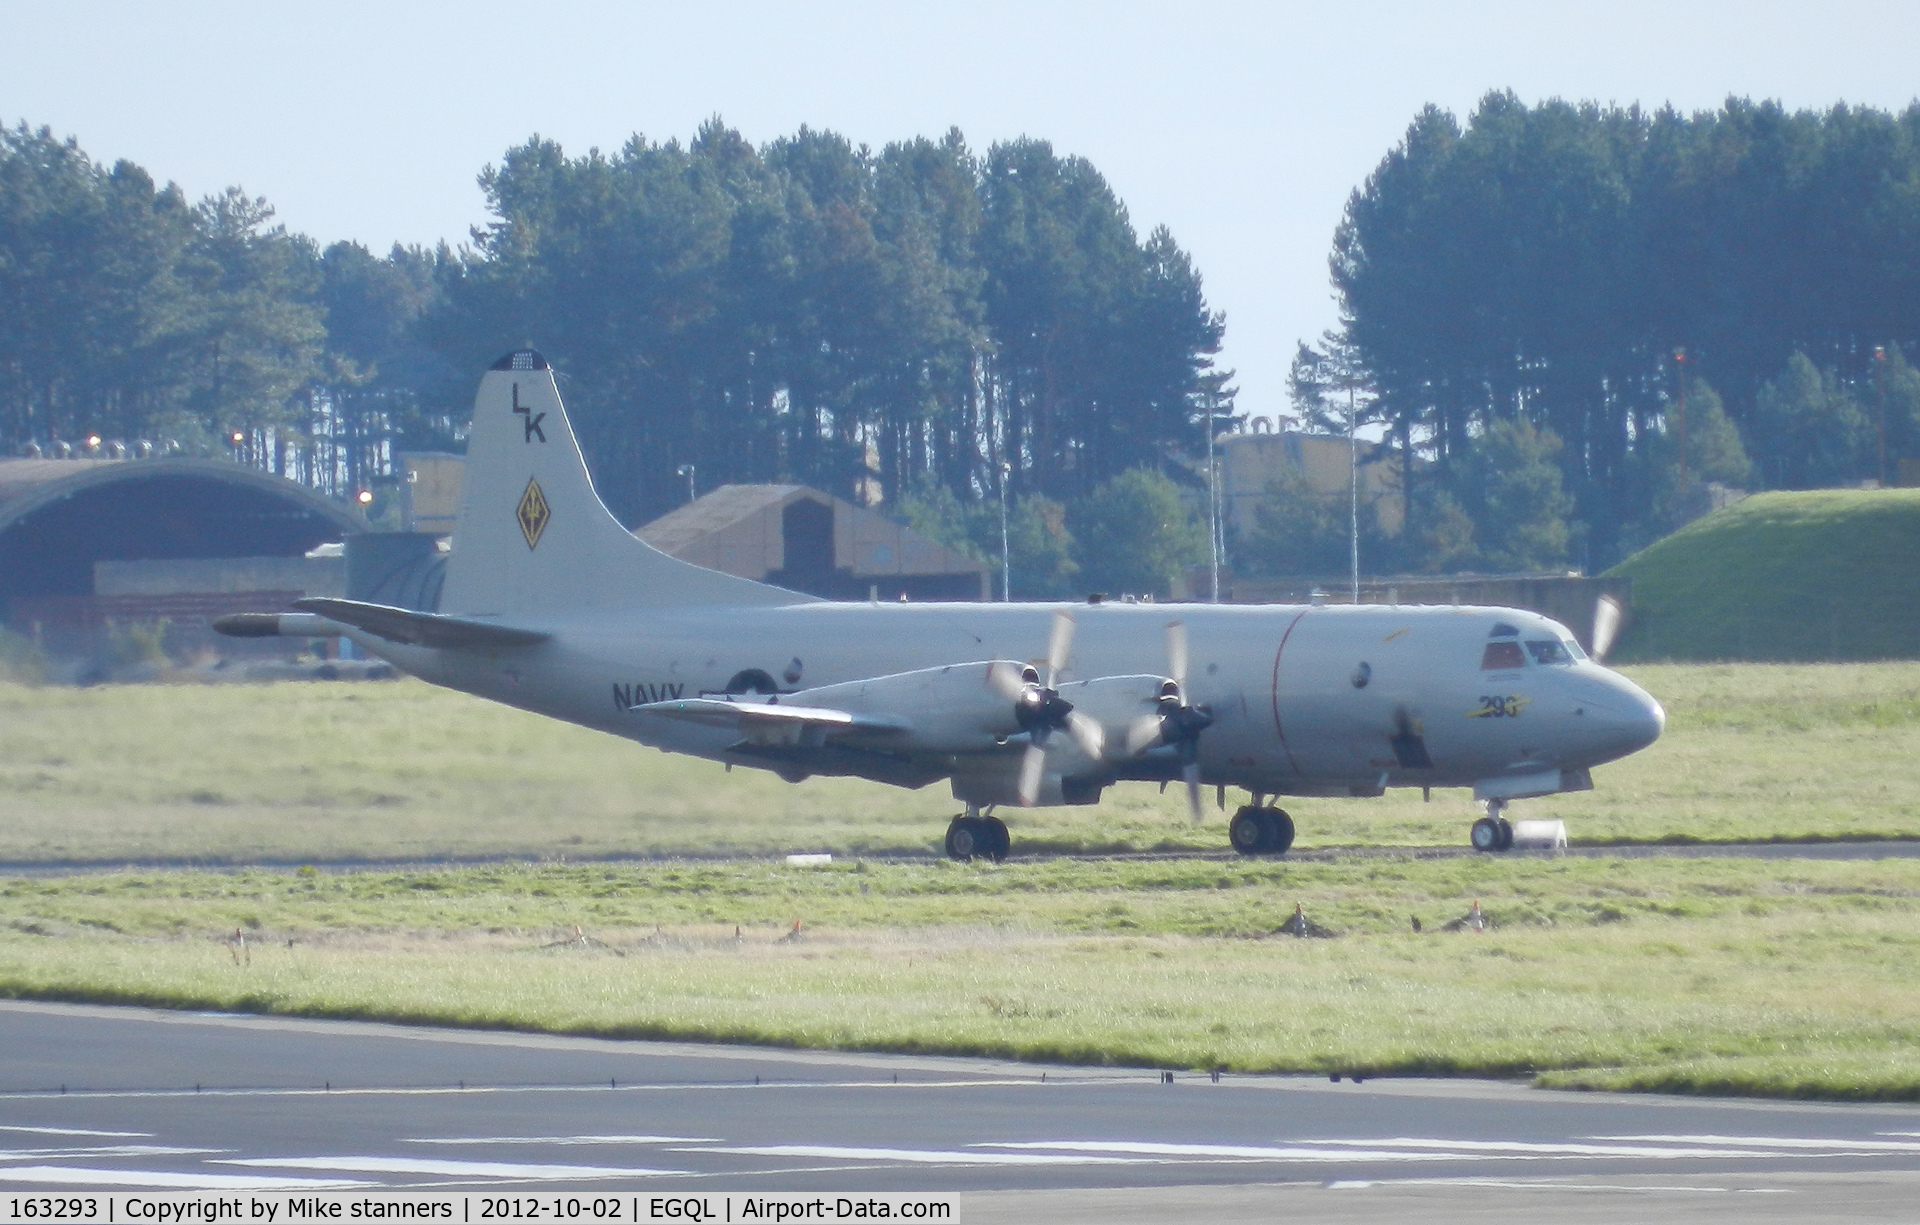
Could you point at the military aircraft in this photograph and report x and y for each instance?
(550, 605)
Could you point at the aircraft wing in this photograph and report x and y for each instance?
(425, 629)
(758, 715)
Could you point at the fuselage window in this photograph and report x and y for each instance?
(1549, 651)
(1500, 655)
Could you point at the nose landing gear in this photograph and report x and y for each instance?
(974, 836)
(1492, 832)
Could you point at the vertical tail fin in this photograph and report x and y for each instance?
(534, 537)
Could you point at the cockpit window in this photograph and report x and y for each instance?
(1548, 651)
(1573, 649)
(1502, 630)
(1501, 655)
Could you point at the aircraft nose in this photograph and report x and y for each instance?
(1644, 722)
(1622, 718)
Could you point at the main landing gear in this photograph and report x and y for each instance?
(973, 836)
(1493, 832)
(1258, 830)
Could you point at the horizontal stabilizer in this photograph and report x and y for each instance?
(405, 625)
(720, 712)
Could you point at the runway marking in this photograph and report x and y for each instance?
(569, 1139)
(166, 1178)
(105, 1150)
(1225, 1152)
(1878, 1146)
(1541, 1184)
(413, 1165)
(1524, 1148)
(1398, 1149)
(79, 1131)
(912, 1155)
(676, 1087)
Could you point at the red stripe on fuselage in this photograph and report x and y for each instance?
(1277, 728)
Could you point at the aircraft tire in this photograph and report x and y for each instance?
(1485, 835)
(1248, 831)
(998, 842)
(1279, 832)
(1506, 834)
(965, 839)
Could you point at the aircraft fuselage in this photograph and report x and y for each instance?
(1313, 700)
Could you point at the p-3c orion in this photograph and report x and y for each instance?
(549, 603)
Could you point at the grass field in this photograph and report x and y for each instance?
(1726, 975)
(1826, 574)
(402, 771)
(1705, 975)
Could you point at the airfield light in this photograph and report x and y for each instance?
(93, 440)
(364, 496)
(238, 438)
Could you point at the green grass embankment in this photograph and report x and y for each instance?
(1828, 574)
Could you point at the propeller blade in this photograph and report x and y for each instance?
(1005, 680)
(1030, 768)
(1606, 625)
(1142, 734)
(1191, 773)
(1058, 646)
(1177, 654)
(1088, 734)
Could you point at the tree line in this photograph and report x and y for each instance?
(918, 322)
(1566, 317)
(129, 314)
(1563, 319)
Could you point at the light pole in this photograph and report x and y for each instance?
(1353, 491)
(1213, 496)
(686, 470)
(1006, 553)
(1680, 365)
(1880, 393)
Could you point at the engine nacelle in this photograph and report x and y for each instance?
(950, 709)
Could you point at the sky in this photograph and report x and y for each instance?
(1242, 127)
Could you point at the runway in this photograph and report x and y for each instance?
(1883, 848)
(114, 1098)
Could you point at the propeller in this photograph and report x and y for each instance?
(1174, 722)
(1607, 615)
(1041, 711)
